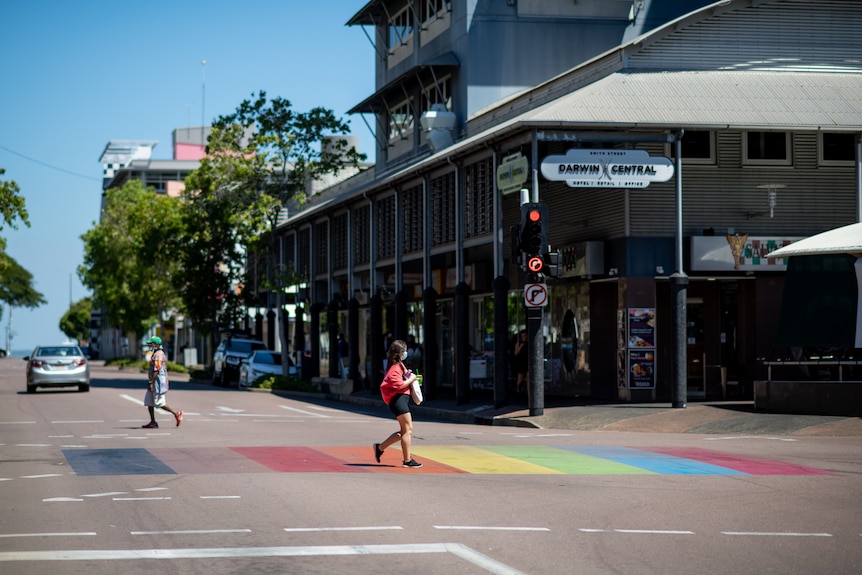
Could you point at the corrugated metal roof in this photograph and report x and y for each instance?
(746, 100)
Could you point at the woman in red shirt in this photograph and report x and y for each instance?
(395, 390)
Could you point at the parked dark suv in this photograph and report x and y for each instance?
(229, 354)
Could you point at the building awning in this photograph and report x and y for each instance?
(422, 74)
(368, 14)
(844, 240)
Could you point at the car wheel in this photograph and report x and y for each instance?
(84, 387)
(31, 389)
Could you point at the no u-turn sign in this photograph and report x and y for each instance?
(536, 295)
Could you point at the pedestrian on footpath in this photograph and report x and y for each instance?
(395, 390)
(157, 384)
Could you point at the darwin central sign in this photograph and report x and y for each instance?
(590, 168)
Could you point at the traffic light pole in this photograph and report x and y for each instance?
(536, 365)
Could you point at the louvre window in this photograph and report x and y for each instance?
(303, 265)
(339, 242)
(386, 228)
(362, 235)
(321, 247)
(413, 220)
(443, 210)
(479, 199)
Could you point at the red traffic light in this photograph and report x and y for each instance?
(535, 215)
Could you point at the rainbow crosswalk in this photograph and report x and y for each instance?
(505, 459)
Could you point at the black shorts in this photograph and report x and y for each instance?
(400, 404)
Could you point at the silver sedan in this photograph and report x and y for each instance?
(262, 362)
(57, 366)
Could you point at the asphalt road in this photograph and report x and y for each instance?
(257, 483)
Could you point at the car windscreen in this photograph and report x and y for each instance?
(246, 346)
(269, 358)
(54, 351)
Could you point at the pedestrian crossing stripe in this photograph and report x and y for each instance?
(485, 460)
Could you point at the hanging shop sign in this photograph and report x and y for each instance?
(590, 168)
(512, 173)
(737, 252)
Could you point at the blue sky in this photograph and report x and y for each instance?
(76, 75)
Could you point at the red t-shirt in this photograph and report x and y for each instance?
(393, 382)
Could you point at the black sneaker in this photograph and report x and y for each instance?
(150, 425)
(377, 452)
(412, 463)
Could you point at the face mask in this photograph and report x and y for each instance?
(404, 355)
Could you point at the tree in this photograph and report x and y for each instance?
(75, 323)
(16, 283)
(12, 205)
(259, 159)
(130, 259)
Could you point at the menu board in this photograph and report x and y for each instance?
(641, 328)
(641, 348)
(641, 369)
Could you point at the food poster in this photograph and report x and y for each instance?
(641, 369)
(641, 348)
(641, 328)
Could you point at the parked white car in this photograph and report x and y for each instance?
(262, 362)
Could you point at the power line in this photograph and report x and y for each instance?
(35, 161)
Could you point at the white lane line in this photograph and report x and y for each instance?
(320, 408)
(5, 479)
(60, 436)
(60, 500)
(32, 445)
(108, 494)
(41, 476)
(638, 531)
(314, 529)
(79, 534)
(478, 559)
(141, 498)
(229, 409)
(132, 399)
(775, 534)
(654, 531)
(152, 489)
(220, 497)
(287, 407)
(16, 422)
(81, 421)
(480, 528)
(190, 532)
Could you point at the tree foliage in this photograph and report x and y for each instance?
(16, 286)
(16, 283)
(130, 259)
(12, 205)
(75, 323)
(258, 159)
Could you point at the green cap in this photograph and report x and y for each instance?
(155, 339)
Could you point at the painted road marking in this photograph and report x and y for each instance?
(308, 529)
(481, 528)
(302, 411)
(190, 532)
(506, 459)
(79, 534)
(461, 551)
(775, 534)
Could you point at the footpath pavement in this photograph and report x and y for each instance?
(723, 418)
(714, 417)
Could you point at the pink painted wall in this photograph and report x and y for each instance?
(189, 151)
